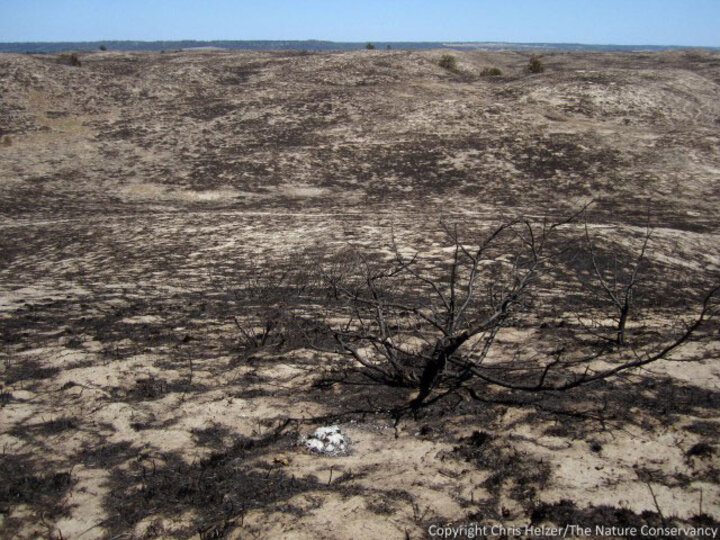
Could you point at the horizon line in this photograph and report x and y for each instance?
(458, 42)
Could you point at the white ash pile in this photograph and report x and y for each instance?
(326, 440)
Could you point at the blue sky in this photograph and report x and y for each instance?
(631, 22)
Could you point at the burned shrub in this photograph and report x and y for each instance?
(268, 303)
(431, 325)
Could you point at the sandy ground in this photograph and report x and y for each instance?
(137, 190)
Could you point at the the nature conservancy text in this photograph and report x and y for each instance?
(475, 530)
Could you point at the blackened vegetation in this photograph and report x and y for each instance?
(152, 388)
(218, 489)
(214, 436)
(24, 481)
(235, 75)
(415, 165)
(549, 157)
(294, 305)
(48, 428)
(29, 320)
(567, 513)
(433, 324)
(700, 450)
(27, 369)
(387, 503)
(120, 68)
(424, 164)
(210, 111)
(108, 214)
(511, 471)
(106, 455)
(707, 428)
(671, 399)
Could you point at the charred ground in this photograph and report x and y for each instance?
(138, 189)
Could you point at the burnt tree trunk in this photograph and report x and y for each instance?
(621, 324)
(443, 350)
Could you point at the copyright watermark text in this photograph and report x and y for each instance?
(475, 530)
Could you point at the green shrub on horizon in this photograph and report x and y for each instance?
(535, 65)
(491, 72)
(449, 62)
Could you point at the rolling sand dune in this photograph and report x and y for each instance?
(137, 190)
